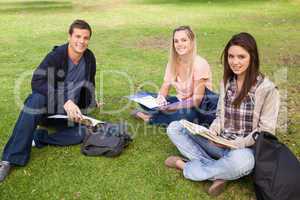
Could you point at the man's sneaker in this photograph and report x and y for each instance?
(4, 170)
(33, 143)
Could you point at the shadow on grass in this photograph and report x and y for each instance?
(34, 6)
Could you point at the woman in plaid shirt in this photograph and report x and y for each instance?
(249, 102)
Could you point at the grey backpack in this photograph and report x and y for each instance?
(106, 140)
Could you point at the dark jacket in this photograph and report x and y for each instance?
(51, 73)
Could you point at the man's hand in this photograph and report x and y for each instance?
(73, 111)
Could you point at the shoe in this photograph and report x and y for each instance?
(33, 143)
(4, 170)
(216, 188)
(171, 161)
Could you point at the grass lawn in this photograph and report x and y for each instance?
(131, 40)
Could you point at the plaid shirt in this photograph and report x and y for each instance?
(238, 120)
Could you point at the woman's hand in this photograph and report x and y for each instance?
(161, 100)
(167, 108)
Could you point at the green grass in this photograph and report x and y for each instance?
(132, 37)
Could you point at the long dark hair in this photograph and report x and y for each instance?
(247, 42)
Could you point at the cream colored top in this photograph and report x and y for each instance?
(266, 108)
(185, 88)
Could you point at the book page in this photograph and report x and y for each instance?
(58, 117)
(88, 121)
(146, 100)
(94, 122)
(205, 132)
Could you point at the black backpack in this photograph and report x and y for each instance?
(277, 170)
(106, 140)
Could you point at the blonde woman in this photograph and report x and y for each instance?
(190, 75)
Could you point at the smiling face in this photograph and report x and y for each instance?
(238, 60)
(182, 43)
(79, 40)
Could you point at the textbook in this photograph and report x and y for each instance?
(144, 99)
(205, 132)
(88, 121)
(150, 102)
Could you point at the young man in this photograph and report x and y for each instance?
(64, 82)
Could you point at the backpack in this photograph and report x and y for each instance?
(276, 171)
(105, 140)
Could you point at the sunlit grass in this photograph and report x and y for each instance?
(131, 41)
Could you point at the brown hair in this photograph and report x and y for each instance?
(247, 42)
(80, 24)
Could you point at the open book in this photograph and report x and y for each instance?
(144, 99)
(88, 121)
(204, 132)
(150, 102)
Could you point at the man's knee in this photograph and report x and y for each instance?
(35, 104)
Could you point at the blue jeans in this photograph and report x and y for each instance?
(18, 148)
(207, 161)
(203, 115)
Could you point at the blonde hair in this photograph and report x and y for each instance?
(174, 57)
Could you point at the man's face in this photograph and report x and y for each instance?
(79, 40)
